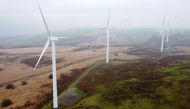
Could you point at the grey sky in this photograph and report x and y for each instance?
(19, 17)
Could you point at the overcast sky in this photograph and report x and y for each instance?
(18, 17)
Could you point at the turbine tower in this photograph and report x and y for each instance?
(51, 39)
(108, 39)
(168, 32)
(163, 34)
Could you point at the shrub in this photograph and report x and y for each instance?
(1, 69)
(6, 103)
(24, 83)
(10, 86)
(50, 76)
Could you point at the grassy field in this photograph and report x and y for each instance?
(162, 84)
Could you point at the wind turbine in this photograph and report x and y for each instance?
(51, 39)
(163, 34)
(168, 31)
(108, 39)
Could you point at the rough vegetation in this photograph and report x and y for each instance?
(149, 84)
(6, 103)
(10, 86)
(1, 69)
(45, 61)
(24, 83)
(87, 48)
(50, 76)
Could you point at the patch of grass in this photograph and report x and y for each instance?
(91, 101)
(175, 78)
(169, 70)
(133, 80)
(94, 101)
(142, 103)
(80, 92)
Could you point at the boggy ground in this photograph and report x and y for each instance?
(148, 84)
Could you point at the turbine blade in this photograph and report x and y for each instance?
(45, 47)
(108, 20)
(45, 24)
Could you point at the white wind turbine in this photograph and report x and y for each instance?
(51, 39)
(168, 32)
(108, 39)
(163, 34)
